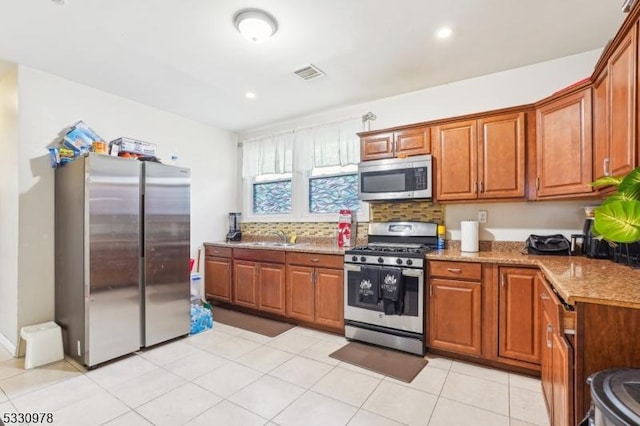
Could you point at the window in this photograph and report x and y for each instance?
(306, 175)
(271, 196)
(329, 192)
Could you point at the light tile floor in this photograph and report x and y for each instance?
(229, 376)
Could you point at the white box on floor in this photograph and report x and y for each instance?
(43, 344)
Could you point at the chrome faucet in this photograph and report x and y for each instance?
(281, 234)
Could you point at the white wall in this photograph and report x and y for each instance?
(48, 104)
(9, 208)
(525, 85)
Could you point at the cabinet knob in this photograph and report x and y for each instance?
(315, 260)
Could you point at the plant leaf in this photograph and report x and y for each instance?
(618, 221)
(630, 185)
(606, 181)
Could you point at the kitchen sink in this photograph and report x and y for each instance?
(271, 244)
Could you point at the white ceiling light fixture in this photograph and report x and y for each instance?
(255, 24)
(250, 95)
(444, 32)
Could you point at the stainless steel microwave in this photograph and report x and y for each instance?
(395, 179)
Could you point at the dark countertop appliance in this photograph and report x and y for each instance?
(234, 233)
(384, 285)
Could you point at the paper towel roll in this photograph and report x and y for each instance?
(469, 236)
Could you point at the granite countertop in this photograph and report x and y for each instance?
(303, 247)
(575, 278)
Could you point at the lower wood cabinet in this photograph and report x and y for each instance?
(556, 359)
(455, 307)
(217, 273)
(315, 289)
(519, 314)
(259, 280)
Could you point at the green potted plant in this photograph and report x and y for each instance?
(617, 219)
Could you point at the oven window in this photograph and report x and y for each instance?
(410, 285)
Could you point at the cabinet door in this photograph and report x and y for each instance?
(501, 156)
(622, 107)
(564, 146)
(376, 147)
(245, 283)
(456, 162)
(412, 142)
(217, 279)
(300, 293)
(601, 125)
(454, 316)
(519, 315)
(562, 380)
(271, 283)
(329, 297)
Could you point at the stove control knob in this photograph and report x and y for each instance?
(354, 258)
(399, 261)
(380, 260)
(409, 262)
(363, 259)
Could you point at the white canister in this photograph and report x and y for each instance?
(469, 230)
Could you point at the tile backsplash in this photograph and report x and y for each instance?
(422, 211)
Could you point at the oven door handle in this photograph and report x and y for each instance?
(350, 267)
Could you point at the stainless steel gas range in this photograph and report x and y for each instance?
(384, 285)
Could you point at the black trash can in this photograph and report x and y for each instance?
(615, 398)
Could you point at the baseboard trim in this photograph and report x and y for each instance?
(4, 342)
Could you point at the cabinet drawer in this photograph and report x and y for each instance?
(459, 270)
(258, 255)
(315, 260)
(217, 251)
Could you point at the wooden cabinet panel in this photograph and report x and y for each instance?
(412, 142)
(519, 315)
(600, 125)
(329, 297)
(217, 251)
(376, 147)
(454, 316)
(315, 260)
(217, 278)
(622, 112)
(614, 112)
(557, 359)
(300, 293)
(455, 270)
(501, 156)
(245, 288)
(271, 282)
(563, 135)
(456, 163)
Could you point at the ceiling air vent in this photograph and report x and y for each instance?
(308, 72)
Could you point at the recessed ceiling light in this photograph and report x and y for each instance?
(250, 95)
(255, 24)
(444, 32)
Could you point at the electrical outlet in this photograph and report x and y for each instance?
(482, 216)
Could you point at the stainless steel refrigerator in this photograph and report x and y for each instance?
(122, 256)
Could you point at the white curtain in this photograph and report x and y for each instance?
(269, 155)
(334, 144)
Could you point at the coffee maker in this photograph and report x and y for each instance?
(592, 246)
(234, 233)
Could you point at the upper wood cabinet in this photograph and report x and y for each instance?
(614, 111)
(481, 159)
(402, 143)
(564, 163)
